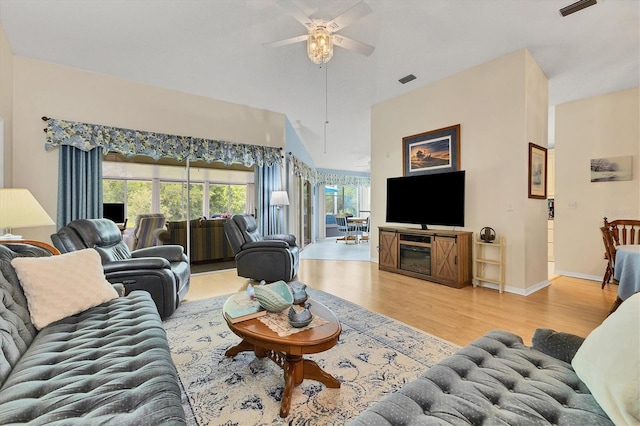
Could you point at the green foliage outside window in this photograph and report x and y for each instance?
(227, 199)
(137, 196)
(138, 199)
(173, 200)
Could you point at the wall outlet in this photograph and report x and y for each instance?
(509, 207)
(573, 205)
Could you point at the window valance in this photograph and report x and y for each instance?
(130, 142)
(302, 169)
(343, 180)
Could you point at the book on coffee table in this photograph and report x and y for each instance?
(239, 307)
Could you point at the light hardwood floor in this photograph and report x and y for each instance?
(457, 315)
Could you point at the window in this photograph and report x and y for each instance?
(342, 200)
(227, 199)
(138, 199)
(135, 194)
(173, 200)
(154, 188)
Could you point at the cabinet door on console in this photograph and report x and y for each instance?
(444, 259)
(388, 249)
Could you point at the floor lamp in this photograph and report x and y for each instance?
(278, 199)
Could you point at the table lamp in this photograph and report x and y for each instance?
(19, 209)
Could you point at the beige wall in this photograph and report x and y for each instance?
(598, 127)
(501, 107)
(6, 109)
(45, 89)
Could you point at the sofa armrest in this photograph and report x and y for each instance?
(265, 243)
(139, 264)
(289, 238)
(171, 252)
(562, 346)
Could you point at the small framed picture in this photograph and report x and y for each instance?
(436, 151)
(537, 171)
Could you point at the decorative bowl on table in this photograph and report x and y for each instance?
(274, 297)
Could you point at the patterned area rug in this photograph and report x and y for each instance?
(375, 356)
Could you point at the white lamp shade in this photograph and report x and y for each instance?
(19, 209)
(279, 198)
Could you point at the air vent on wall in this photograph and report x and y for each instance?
(577, 6)
(407, 78)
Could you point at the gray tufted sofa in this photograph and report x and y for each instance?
(496, 380)
(107, 365)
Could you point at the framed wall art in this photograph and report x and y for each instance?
(612, 169)
(436, 151)
(537, 171)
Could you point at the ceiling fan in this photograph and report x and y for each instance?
(321, 34)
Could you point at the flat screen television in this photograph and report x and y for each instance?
(435, 199)
(113, 211)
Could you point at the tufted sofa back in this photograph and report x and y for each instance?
(16, 330)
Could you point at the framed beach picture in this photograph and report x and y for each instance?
(436, 151)
(537, 171)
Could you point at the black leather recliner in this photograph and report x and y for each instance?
(162, 271)
(270, 258)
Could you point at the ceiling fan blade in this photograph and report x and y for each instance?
(351, 44)
(286, 41)
(356, 12)
(296, 12)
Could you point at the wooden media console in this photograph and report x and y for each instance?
(434, 255)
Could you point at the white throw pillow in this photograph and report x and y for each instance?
(60, 286)
(608, 362)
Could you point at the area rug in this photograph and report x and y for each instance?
(375, 355)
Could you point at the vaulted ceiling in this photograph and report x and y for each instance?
(214, 48)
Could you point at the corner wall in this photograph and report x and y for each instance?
(501, 106)
(598, 127)
(6, 110)
(45, 89)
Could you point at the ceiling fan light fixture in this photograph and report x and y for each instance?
(320, 45)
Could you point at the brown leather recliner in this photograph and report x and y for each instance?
(270, 257)
(162, 271)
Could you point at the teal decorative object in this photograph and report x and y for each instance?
(274, 297)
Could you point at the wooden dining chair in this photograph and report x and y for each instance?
(609, 254)
(621, 231)
(624, 231)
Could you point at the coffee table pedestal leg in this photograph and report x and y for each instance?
(296, 369)
(243, 346)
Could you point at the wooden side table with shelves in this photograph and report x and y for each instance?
(488, 256)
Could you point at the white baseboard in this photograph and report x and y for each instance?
(579, 275)
(516, 290)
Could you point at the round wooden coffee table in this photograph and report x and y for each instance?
(287, 351)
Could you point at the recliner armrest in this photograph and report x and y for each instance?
(171, 252)
(119, 288)
(289, 238)
(133, 264)
(562, 346)
(265, 243)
